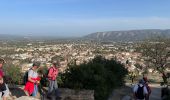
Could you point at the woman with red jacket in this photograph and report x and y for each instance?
(33, 81)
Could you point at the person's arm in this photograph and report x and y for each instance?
(145, 92)
(30, 73)
(1, 81)
(149, 89)
(31, 80)
(57, 72)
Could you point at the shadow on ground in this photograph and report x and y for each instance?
(18, 92)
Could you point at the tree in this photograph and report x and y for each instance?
(156, 52)
(99, 74)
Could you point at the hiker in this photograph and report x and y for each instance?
(148, 89)
(4, 90)
(140, 91)
(147, 86)
(31, 88)
(52, 78)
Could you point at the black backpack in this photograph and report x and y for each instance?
(140, 93)
(25, 78)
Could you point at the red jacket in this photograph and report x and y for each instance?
(29, 86)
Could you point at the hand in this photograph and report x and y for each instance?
(1, 81)
(37, 82)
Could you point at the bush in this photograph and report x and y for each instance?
(13, 74)
(44, 72)
(98, 74)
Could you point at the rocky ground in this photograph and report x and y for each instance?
(17, 93)
(124, 93)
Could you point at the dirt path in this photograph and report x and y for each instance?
(156, 92)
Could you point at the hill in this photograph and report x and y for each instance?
(130, 35)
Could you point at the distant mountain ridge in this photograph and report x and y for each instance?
(129, 35)
(124, 36)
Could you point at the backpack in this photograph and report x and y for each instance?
(48, 72)
(54, 72)
(25, 78)
(139, 93)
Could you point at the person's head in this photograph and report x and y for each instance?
(141, 81)
(35, 65)
(56, 63)
(40, 73)
(145, 79)
(2, 61)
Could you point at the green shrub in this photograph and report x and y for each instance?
(98, 74)
(13, 74)
(44, 72)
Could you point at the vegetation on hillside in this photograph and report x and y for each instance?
(156, 52)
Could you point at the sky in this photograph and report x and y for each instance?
(75, 18)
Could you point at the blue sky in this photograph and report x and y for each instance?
(81, 17)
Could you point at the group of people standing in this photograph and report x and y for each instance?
(31, 86)
(141, 90)
(33, 80)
